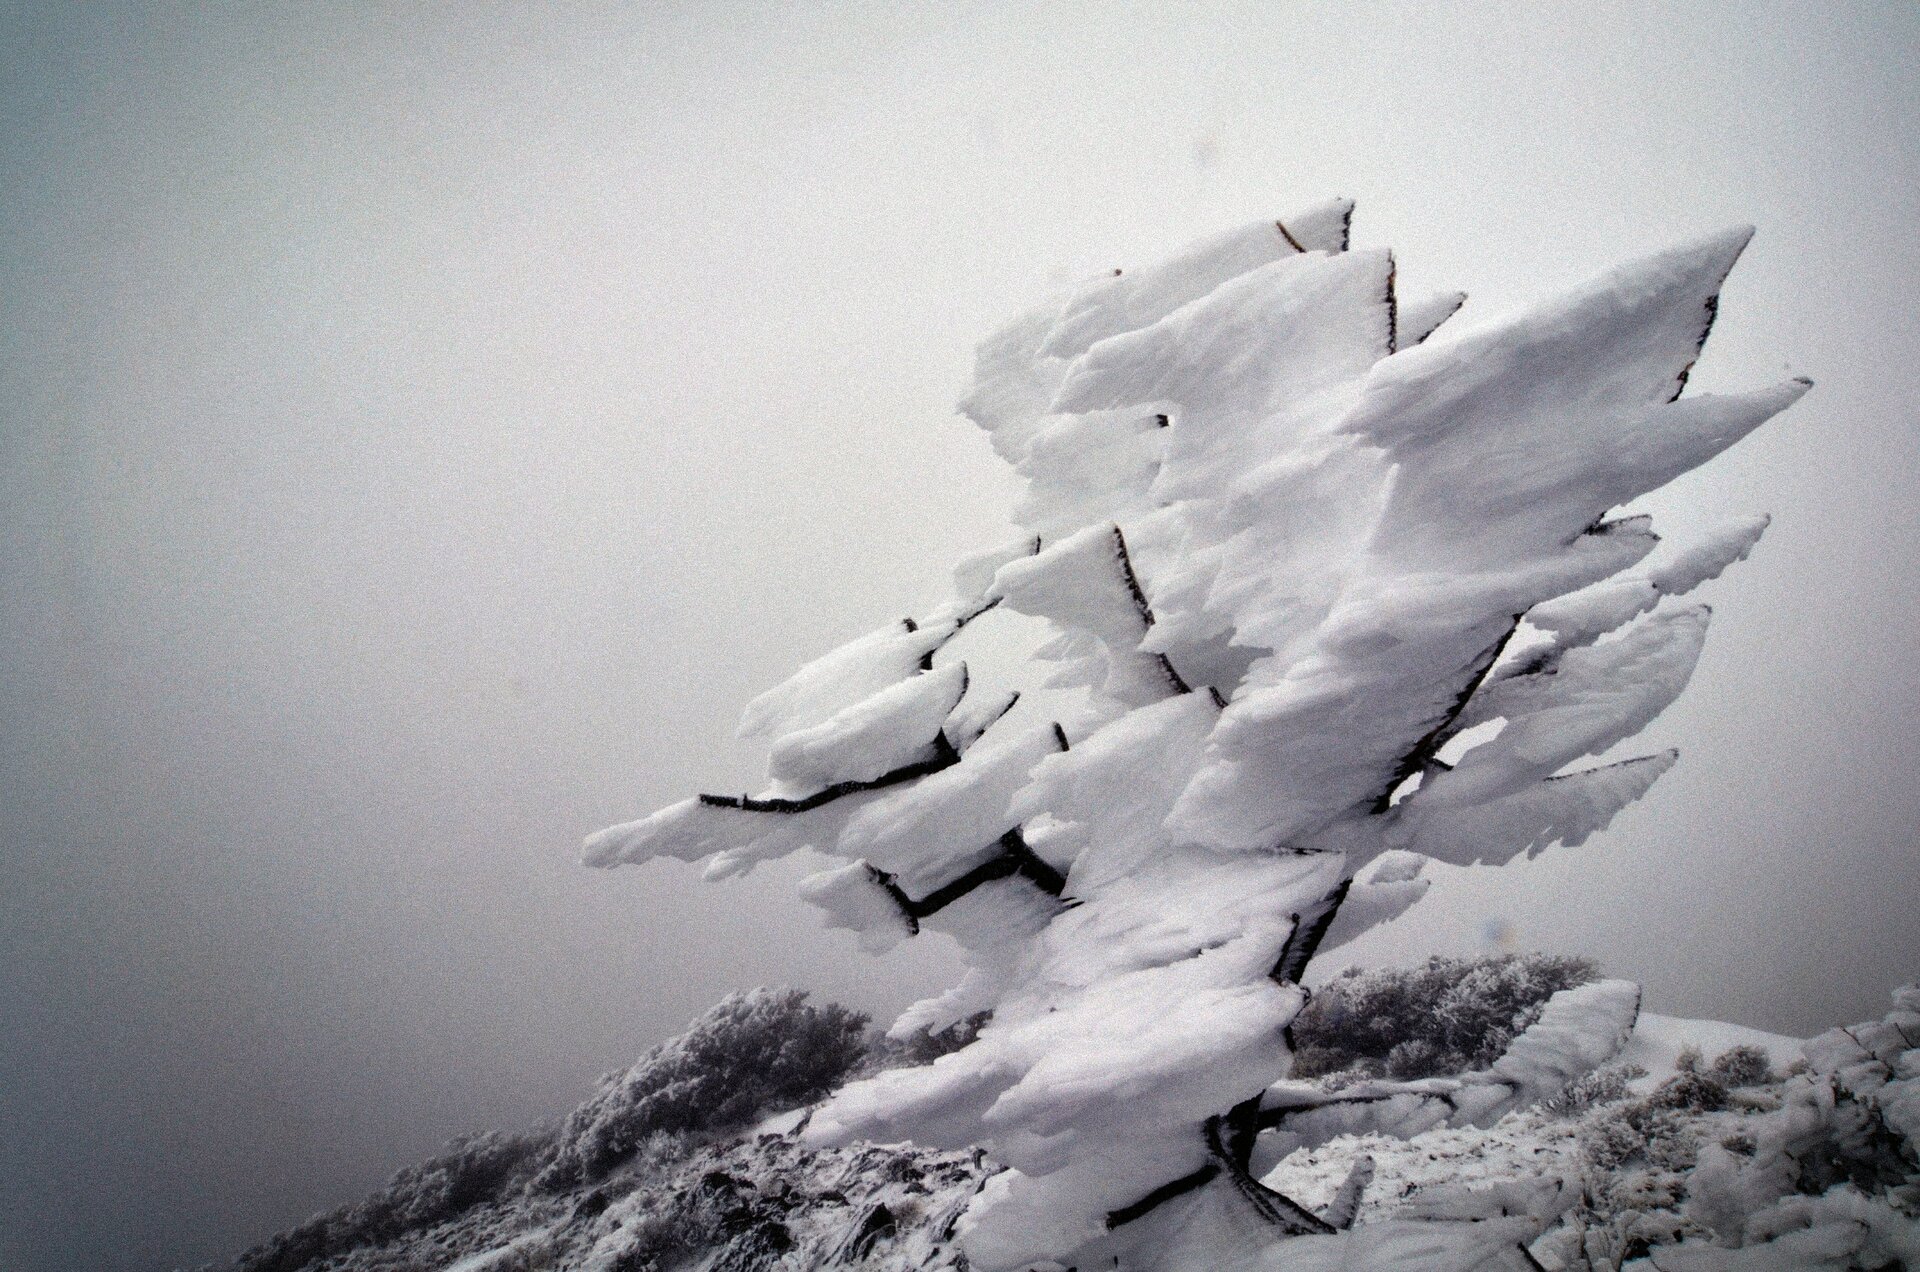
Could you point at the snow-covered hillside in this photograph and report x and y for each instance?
(1689, 1147)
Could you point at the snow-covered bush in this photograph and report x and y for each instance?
(1654, 1129)
(1648, 1131)
(1742, 1066)
(472, 1170)
(1292, 549)
(1606, 1085)
(1819, 1169)
(654, 1167)
(1450, 1016)
(714, 1214)
(755, 1053)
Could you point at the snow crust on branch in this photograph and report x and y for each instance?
(1287, 542)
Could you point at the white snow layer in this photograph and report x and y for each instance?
(872, 737)
(850, 674)
(1285, 541)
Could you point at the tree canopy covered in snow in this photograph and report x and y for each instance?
(1292, 545)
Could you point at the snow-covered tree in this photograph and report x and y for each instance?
(1291, 548)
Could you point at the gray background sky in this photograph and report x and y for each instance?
(424, 428)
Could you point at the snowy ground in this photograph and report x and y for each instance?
(1785, 1174)
(1531, 1144)
(1521, 1146)
(1527, 1144)
(1658, 1040)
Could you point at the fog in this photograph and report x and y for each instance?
(424, 427)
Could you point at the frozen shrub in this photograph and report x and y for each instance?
(717, 1216)
(1690, 1091)
(1847, 1141)
(1606, 1143)
(1447, 1016)
(1653, 1129)
(474, 1169)
(754, 1054)
(1672, 1145)
(1638, 1132)
(1742, 1066)
(1604, 1085)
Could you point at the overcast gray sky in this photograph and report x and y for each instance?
(424, 427)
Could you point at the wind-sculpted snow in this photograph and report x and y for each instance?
(1291, 547)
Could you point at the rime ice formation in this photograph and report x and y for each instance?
(1290, 547)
